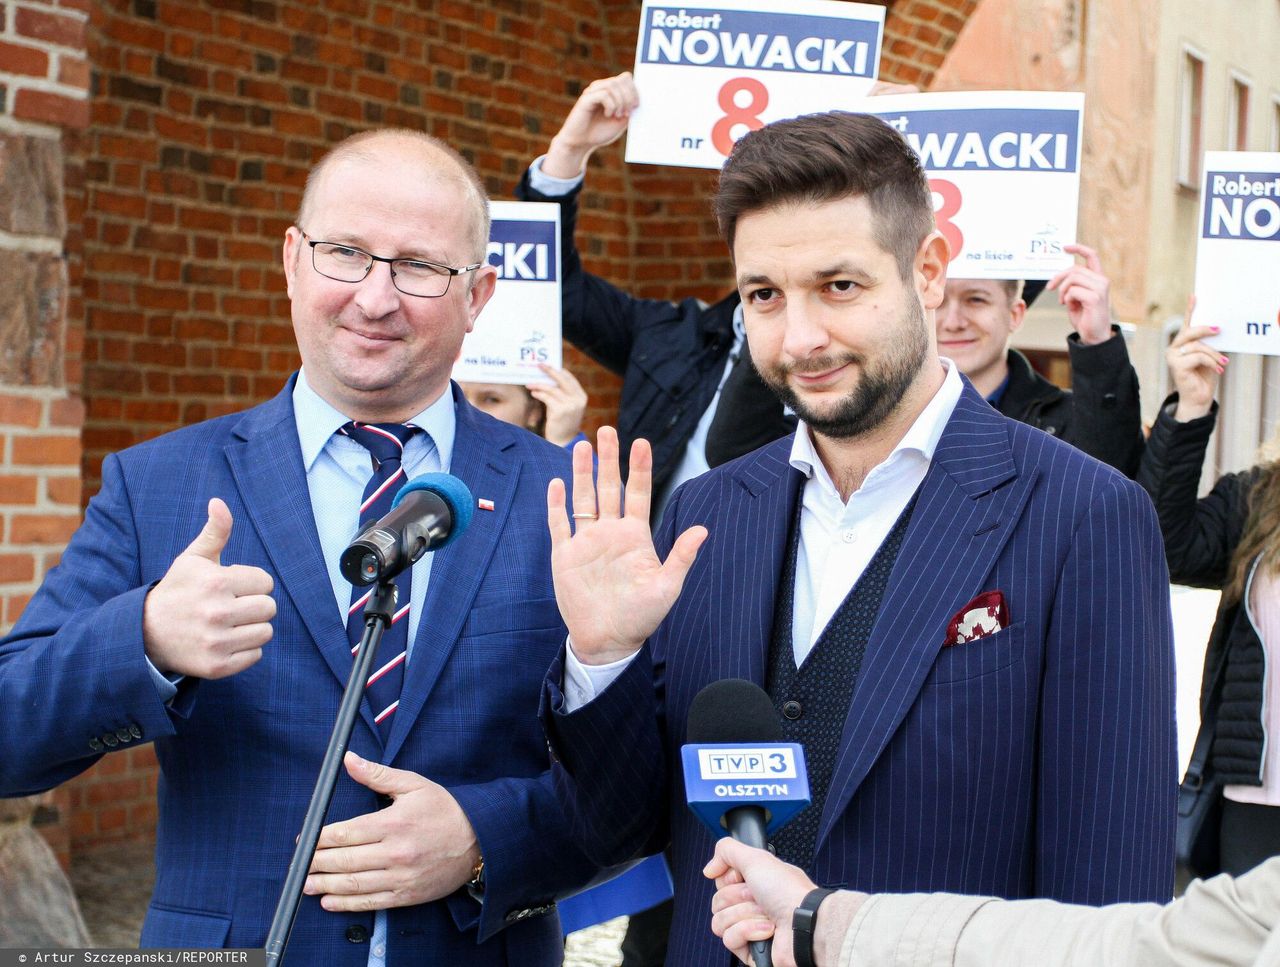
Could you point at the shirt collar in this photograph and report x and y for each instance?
(921, 437)
(997, 394)
(317, 421)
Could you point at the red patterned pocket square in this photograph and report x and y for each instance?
(984, 615)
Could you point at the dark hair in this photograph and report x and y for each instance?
(823, 157)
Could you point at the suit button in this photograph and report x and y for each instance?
(358, 933)
(135, 730)
(96, 744)
(1051, 430)
(109, 738)
(792, 710)
(124, 735)
(1108, 401)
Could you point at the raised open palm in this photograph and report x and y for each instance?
(611, 588)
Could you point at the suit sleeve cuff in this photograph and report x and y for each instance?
(550, 185)
(582, 682)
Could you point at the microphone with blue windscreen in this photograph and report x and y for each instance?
(429, 511)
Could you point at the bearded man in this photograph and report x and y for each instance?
(963, 620)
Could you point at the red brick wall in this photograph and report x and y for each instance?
(203, 122)
(206, 120)
(917, 36)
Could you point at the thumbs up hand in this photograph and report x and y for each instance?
(204, 619)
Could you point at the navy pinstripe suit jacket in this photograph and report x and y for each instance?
(1039, 761)
(239, 756)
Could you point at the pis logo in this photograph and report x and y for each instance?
(1046, 242)
(533, 350)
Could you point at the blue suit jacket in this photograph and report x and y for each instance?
(1039, 761)
(239, 756)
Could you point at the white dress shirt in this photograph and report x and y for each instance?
(838, 538)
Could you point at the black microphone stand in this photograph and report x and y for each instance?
(377, 618)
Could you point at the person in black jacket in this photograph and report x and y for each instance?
(672, 356)
(1227, 539)
(1100, 414)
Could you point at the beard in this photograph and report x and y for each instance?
(876, 395)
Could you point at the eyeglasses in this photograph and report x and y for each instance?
(346, 263)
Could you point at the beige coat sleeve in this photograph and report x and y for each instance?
(1219, 922)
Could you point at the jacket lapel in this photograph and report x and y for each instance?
(969, 503)
(749, 550)
(274, 492)
(484, 459)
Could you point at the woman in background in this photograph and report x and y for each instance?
(1229, 539)
(554, 411)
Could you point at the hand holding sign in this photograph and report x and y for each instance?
(565, 401)
(1086, 292)
(1196, 367)
(598, 118)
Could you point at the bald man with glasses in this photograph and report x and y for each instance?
(201, 607)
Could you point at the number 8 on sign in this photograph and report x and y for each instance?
(749, 114)
(949, 196)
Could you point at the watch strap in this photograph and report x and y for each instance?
(803, 923)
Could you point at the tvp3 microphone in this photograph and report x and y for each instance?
(739, 777)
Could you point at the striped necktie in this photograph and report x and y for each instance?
(385, 443)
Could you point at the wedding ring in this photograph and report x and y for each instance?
(585, 516)
(1182, 350)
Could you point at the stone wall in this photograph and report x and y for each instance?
(44, 83)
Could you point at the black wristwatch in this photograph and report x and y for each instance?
(803, 923)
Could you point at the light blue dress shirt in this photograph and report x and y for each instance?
(338, 468)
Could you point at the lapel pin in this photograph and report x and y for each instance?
(484, 503)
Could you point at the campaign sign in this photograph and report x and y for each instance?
(1004, 167)
(1238, 254)
(720, 777)
(520, 327)
(708, 73)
